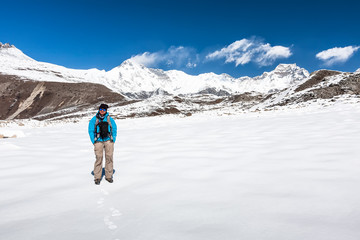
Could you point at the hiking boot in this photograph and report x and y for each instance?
(110, 180)
(97, 181)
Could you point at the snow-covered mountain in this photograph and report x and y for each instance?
(55, 92)
(131, 77)
(283, 76)
(14, 62)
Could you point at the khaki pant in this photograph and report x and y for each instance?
(99, 148)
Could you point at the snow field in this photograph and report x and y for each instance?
(276, 175)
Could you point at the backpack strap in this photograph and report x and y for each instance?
(96, 134)
(109, 122)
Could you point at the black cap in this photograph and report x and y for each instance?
(104, 106)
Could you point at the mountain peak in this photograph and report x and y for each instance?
(128, 62)
(291, 70)
(6, 45)
(8, 51)
(286, 67)
(131, 62)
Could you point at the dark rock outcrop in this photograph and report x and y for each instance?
(214, 92)
(315, 78)
(245, 97)
(145, 95)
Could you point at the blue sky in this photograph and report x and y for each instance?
(241, 38)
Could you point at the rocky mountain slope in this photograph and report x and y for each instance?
(37, 99)
(322, 84)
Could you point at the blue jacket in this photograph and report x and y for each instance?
(92, 132)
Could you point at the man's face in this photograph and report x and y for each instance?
(102, 111)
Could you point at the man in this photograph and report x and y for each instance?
(102, 132)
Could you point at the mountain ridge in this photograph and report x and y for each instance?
(45, 91)
(131, 77)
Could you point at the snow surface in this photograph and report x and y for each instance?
(275, 175)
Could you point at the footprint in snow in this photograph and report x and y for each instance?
(115, 212)
(104, 192)
(109, 223)
(100, 202)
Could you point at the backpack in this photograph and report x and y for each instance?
(103, 129)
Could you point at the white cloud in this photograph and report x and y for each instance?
(246, 50)
(147, 59)
(267, 54)
(240, 52)
(337, 54)
(233, 52)
(173, 57)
